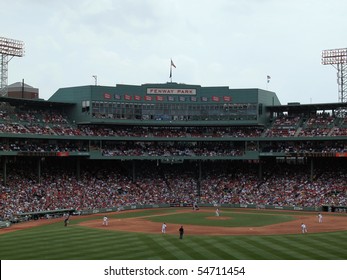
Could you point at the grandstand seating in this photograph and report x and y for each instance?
(109, 186)
(108, 183)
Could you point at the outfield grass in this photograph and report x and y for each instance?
(56, 242)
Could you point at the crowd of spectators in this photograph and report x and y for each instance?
(111, 186)
(283, 188)
(24, 145)
(172, 132)
(283, 126)
(171, 149)
(340, 130)
(42, 122)
(319, 125)
(302, 147)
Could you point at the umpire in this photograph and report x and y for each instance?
(181, 231)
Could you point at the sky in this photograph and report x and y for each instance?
(235, 43)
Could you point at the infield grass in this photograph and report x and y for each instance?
(227, 219)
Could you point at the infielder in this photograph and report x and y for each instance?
(105, 221)
(217, 212)
(303, 228)
(163, 228)
(195, 206)
(320, 218)
(66, 220)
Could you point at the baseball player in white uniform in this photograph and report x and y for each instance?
(163, 228)
(303, 228)
(217, 212)
(320, 218)
(105, 221)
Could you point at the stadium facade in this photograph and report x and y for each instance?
(167, 104)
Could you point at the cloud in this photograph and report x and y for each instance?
(222, 42)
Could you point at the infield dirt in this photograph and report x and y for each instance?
(330, 223)
(141, 224)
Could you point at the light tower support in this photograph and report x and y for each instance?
(338, 59)
(9, 48)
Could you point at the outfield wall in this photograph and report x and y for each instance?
(4, 224)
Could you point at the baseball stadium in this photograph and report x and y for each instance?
(144, 155)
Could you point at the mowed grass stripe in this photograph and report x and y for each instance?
(281, 249)
(258, 247)
(296, 243)
(173, 245)
(126, 247)
(326, 249)
(272, 250)
(238, 246)
(188, 245)
(149, 246)
(22, 245)
(292, 244)
(218, 247)
(334, 240)
(308, 244)
(83, 243)
(205, 249)
(318, 250)
(232, 253)
(137, 246)
(183, 248)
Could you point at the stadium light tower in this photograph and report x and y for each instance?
(9, 48)
(338, 59)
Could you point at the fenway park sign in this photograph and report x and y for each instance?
(177, 91)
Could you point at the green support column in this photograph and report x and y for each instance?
(260, 171)
(133, 171)
(39, 169)
(199, 179)
(4, 172)
(312, 170)
(78, 169)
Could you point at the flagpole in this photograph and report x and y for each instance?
(170, 72)
(171, 64)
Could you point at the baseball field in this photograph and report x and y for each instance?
(241, 234)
